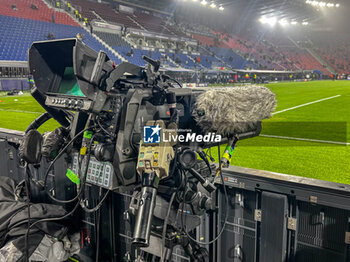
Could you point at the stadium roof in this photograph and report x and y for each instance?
(252, 10)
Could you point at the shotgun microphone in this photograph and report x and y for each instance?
(234, 110)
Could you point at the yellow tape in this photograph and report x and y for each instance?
(83, 150)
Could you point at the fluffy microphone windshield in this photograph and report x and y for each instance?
(233, 110)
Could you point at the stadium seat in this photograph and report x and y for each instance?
(17, 35)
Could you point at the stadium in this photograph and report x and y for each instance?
(89, 90)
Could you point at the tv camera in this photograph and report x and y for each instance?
(134, 129)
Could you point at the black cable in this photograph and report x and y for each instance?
(103, 129)
(166, 224)
(98, 228)
(77, 196)
(51, 219)
(204, 156)
(225, 221)
(167, 77)
(177, 82)
(56, 158)
(97, 207)
(26, 181)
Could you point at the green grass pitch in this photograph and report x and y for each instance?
(325, 120)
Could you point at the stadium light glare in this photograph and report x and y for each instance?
(272, 21)
(221, 8)
(263, 20)
(305, 23)
(283, 22)
(321, 4)
(212, 5)
(204, 2)
(294, 23)
(268, 20)
(194, 0)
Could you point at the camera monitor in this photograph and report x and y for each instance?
(65, 67)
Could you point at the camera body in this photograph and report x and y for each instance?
(139, 135)
(120, 100)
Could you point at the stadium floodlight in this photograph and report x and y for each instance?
(294, 23)
(212, 5)
(283, 22)
(272, 21)
(263, 20)
(305, 23)
(268, 20)
(221, 8)
(204, 2)
(194, 0)
(321, 4)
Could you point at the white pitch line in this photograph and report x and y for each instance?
(307, 139)
(21, 111)
(313, 102)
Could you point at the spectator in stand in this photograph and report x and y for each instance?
(34, 7)
(50, 36)
(91, 29)
(79, 37)
(13, 6)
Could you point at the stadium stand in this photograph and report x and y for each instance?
(230, 57)
(204, 40)
(134, 55)
(34, 20)
(301, 59)
(336, 55)
(183, 60)
(34, 10)
(195, 28)
(138, 20)
(17, 35)
(112, 39)
(89, 10)
(207, 61)
(152, 23)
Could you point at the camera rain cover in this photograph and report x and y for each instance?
(63, 67)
